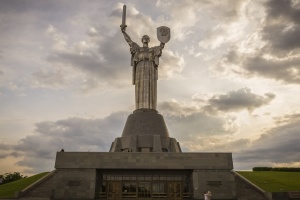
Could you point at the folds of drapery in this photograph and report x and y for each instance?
(145, 74)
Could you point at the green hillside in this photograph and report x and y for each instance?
(8, 190)
(271, 181)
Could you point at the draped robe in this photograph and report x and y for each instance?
(145, 61)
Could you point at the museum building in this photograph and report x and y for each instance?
(144, 163)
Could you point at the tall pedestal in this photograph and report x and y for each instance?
(145, 131)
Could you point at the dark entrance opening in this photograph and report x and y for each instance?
(144, 184)
(114, 190)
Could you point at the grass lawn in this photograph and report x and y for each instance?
(8, 190)
(274, 181)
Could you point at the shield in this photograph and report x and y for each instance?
(163, 34)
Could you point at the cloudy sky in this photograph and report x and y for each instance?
(229, 78)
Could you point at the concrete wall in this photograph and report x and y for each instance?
(247, 190)
(76, 171)
(75, 184)
(143, 160)
(221, 183)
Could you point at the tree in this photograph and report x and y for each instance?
(10, 177)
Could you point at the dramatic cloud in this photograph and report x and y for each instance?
(175, 108)
(286, 70)
(238, 100)
(100, 61)
(282, 26)
(190, 125)
(199, 126)
(185, 123)
(241, 99)
(185, 16)
(278, 145)
(228, 27)
(195, 131)
(273, 51)
(6, 150)
(171, 64)
(287, 118)
(103, 55)
(75, 134)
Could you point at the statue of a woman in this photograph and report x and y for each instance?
(144, 61)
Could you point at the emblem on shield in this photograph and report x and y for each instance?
(163, 34)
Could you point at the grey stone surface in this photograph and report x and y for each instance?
(75, 184)
(145, 130)
(143, 160)
(42, 190)
(220, 182)
(210, 171)
(246, 191)
(145, 122)
(157, 144)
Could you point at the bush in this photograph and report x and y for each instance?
(256, 169)
(277, 169)
(10, 177)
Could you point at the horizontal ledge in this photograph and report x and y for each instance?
(143, 160)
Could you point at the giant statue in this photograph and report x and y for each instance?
(145, 61)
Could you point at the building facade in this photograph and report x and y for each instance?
(143, 175)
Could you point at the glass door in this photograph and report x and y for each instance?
(174, 190)
(129, 189)
(114, 190)
(144, 190)
(159, 190)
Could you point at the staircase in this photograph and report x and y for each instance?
(246, 190)
(40, 190)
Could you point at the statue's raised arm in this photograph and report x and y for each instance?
(123, 27)
(145, 61)
(127, 38)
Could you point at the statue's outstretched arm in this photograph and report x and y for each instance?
(126, 36)
(162, 45)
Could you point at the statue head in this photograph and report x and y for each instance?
(145, 39)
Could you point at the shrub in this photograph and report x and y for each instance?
(10, 177)
(277, 169)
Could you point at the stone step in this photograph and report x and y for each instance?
(41, 191)
(245, 191)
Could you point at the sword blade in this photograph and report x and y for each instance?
(124, 16)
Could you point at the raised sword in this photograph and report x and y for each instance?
(123, 25)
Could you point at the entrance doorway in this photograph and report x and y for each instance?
(144, 190)
(114, 190)
(174, 191)
(144, 185)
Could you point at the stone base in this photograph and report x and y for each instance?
(120, 175)
(145, 131)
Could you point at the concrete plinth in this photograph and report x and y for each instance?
(145, 131)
